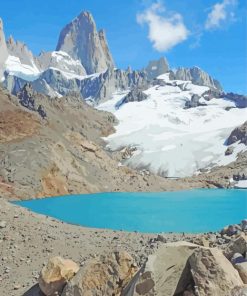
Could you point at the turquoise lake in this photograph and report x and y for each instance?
(194, 211)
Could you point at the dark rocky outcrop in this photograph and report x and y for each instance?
(194, 102)
(156, 68)
(238, 134)
(239, 100)
(135, 95)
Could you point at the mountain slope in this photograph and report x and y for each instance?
(53, 147)
(171, 139)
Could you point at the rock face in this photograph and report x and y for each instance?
(21, 51)
(97, 88)
(3, 50)
(238, 245)
(135, 95)
(212, 273)
(238, 134)
(56, 274)
(107, 275)
(166, 272)
(242, 270)
(61, 61)
(197, 76)
(194, 102)
(156, 68)
(240, 100)
(27, 98)
(81, 41)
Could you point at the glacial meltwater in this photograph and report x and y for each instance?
(193, 211)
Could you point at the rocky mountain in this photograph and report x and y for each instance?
(173, 103)
(20, 50)
(198, 77)
(156, 68)
(3, 50)
(178, 130)
(81, 40)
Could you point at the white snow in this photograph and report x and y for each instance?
(172, 140)
(14, 67)
(70, 75)
(241, 184)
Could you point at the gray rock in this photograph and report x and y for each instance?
(156, 68)
(166, 271)
(21, 51)
(81, 41)
(242, 270)
(238, 258)
(3, 50)
(239, 100)
(194, 102)
(244, 224)
(61, 61)
(229, 151)
(238, 134)
(197, 76)
(135, 95)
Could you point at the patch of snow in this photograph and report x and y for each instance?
(14, 67)
(69, 75)
(241, 184)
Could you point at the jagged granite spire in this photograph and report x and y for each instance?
(81, 40)
(3, 50)
(20, 50)
(156, 68)
(197, 76)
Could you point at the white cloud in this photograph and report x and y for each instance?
(220, 12)
(165, 29)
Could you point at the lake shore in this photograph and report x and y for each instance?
(28, 240)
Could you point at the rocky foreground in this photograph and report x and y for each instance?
(37, 253)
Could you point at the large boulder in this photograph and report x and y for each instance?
(212, 273)
(242, 270)
(55, 274)
(238, 245)
(107, 275)
(166, 271)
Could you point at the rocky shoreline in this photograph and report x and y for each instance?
(29, 240)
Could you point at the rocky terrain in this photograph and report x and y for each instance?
(54, 147)
(114, 262)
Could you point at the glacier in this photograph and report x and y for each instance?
(173, 141)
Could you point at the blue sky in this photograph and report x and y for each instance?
(210, 34)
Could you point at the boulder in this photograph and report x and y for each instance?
(239, 291)
(244, 225)
(212, 273)
(107, 275)
(238, 245)
(166, 271)
(55, 274)
(242, 270)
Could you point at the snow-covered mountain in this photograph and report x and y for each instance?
(176, 121)
(177, 129)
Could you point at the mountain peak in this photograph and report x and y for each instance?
(3, 50)
(81, 40)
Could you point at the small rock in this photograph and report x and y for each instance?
(3, 224)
